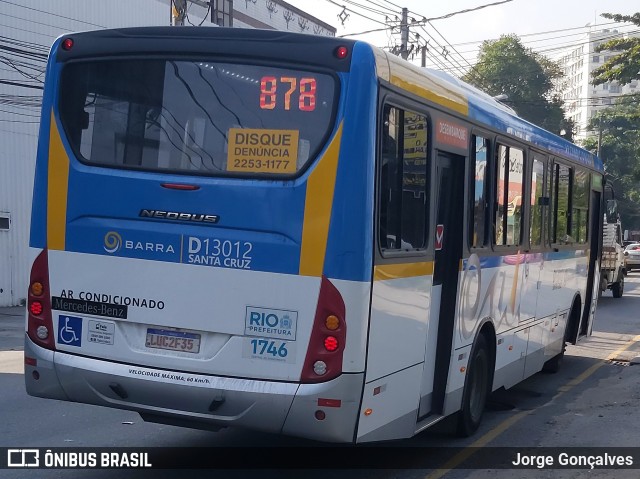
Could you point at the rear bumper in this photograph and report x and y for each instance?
(198, 400)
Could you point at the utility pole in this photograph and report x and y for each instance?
(404, 34)
(423, 63)
(179, 12)
(599, 136)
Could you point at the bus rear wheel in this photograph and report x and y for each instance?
(476, 389)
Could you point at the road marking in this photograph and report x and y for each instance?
(466, 453)
(11, 362)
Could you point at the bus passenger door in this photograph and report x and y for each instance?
(593, 275)
(447, 240)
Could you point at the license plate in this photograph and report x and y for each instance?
(173, 340)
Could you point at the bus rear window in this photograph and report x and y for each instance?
(196, 117)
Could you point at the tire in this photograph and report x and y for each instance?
(476, 388)
(618, 288)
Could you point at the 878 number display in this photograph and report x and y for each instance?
(305, 89)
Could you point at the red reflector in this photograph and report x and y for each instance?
(36, 308)
(178, 186)
(30, 361)
(330, 343)
(341, 52)
(329, 402)
(67, 44)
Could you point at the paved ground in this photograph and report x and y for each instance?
(592, 401)
(11, 340)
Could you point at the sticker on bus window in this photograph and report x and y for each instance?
(262, 151)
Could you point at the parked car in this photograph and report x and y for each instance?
(632, 256)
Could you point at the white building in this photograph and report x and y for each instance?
(582, 99)
(28, 28)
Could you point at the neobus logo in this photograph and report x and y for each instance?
(178, 216)
(113, 242)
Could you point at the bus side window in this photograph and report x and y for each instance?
(508, 225)
(389, 192)
(562, 217)
(403, 179)
(537, 201)
(580, 206)
(481, 147)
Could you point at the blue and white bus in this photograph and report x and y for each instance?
(296, 234)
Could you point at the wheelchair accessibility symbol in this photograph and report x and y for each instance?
(70, 330)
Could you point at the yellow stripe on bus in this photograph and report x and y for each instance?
(317, 210)
(424, 84)
(402, 270)
(57, 189)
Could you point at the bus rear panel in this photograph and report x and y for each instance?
(183, 206)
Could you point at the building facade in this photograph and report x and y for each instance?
(265, 14)
(582, 99)
(29, 27)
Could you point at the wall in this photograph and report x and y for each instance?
(27, 30)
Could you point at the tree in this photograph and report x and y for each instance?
(618, 130)
(530, 81)
(625, 66)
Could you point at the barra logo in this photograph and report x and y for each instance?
(23, 458)
(112, 242)
(270, 323)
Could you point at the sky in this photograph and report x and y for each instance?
(525, 18)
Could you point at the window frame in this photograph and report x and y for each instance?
(390, 99)
(509, 143)
(544, 228)
(586, 241)
(332, 125)
(553, 236)
(487, 186)
(5, 216)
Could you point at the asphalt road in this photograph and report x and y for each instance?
(592, 402)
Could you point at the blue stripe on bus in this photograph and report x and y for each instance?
(503, 121)
(349, 246)
(487, 262)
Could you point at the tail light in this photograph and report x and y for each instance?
(40, 324)
(328, 336)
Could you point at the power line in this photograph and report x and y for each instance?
(23, 85)
(534, 34)
(355, 12)
(28, 31)
(52, 14)
(19, 113)
(467, 10)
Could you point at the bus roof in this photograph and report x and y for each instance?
(452, 93)
(438, 87)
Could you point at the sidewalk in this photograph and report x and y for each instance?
(12, 329)
(12, 311)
